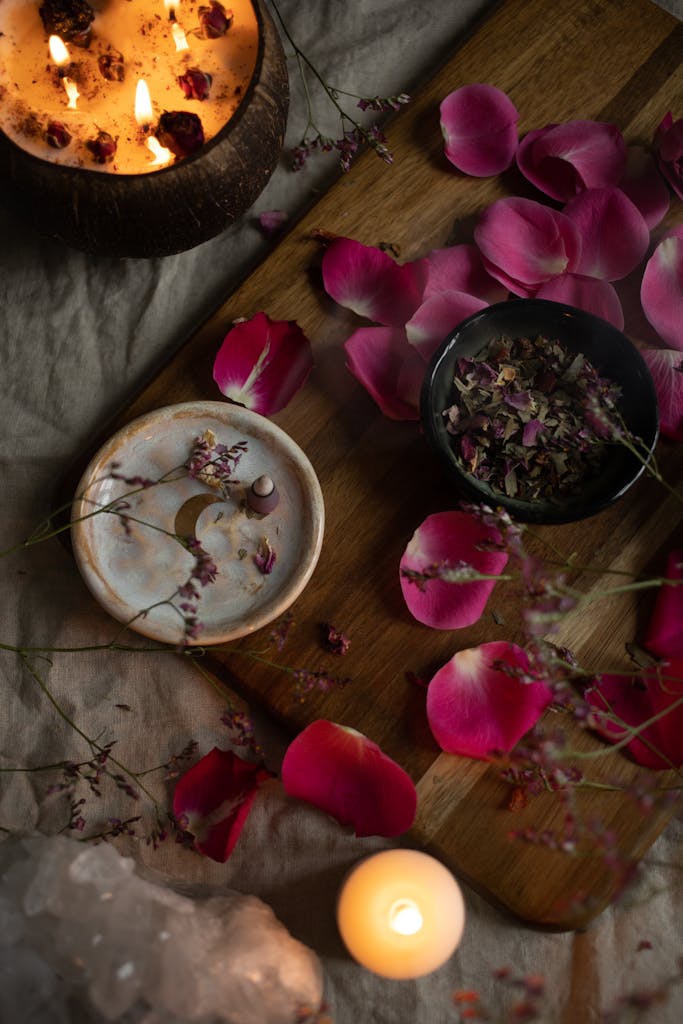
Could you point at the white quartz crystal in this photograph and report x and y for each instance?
(84, 937)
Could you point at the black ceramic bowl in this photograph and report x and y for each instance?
(610, 352)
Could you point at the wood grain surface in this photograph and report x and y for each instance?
(616, 60)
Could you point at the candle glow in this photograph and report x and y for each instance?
(179, 38)
(60, 56)
(143, 104)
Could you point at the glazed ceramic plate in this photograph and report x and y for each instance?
(133, 562)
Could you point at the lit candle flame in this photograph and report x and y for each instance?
(71, 92)
(60, 56)
(160, 153)
(143, 104)
(179, 37)
(405, 917)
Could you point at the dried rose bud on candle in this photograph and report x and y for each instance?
(111, 66)
(57, 135)
(180, 132)
(69, 19)
(214, 21)
(262, 496)
(102, 147)
(195, 84)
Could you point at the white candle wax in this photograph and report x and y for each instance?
(400, 913)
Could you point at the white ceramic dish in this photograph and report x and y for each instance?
(141, 567)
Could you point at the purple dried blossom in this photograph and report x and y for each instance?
(213, 463)
(307, 680)
(196, 84)
(102, 147)
(383, 104)
(334, 640)
(214, 20)
(265, 557)
(204, 569)
(280, 632)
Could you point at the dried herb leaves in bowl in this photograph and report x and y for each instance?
(522, 402)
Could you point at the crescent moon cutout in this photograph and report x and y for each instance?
(189, 512)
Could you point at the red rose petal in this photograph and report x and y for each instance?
(460, 268)
(589, 293)
(666, 369)
(262, 363)
(661, 291)
(564, 159)
(436, 317)
(366, 280)
(347, 775)
(476, 709)
(214, 799)
(450, 539)
(388, 368)
(614, 236)
(479, 126)
(644, 186)
(635, 701)
(664, 635)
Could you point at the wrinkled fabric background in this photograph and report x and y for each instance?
(78, 335)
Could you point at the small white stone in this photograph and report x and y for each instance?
(263, 486)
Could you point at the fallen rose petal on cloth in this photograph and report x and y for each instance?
(564, 159)
(212, 800)
(614, 235)
(661, 291)
(620, 702)
(345, 774)
(262, 363)
(668, 145)
(644, 185)
(369, 282)
(460, 268)
(666, 369)
(270, 221)
(475, 708)
(450, 540)
(525, 243)
(589, 293)
(479, 127)
(389, 369)
(664, 634)
(436, 317)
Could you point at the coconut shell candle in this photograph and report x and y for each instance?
(138, 129)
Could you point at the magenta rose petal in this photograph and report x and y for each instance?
(644, 186)
(389, 369)
(213, 799)
(632, 702)
(666, 369)
(668, 145)
(438, 315)
(262, 363)
(369, 282)
(453, 540)
(664, 635)
(460, 268)
(614, 235)
(475, 708)
(661, 291)
(345, 774)
(525, 243)
(479, 127)
(589, 293)
(564, 159)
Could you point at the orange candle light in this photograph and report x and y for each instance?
(400, 913)
(60, 57)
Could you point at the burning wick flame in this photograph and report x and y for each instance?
(144, 116)
(160, 153)
(60, 56)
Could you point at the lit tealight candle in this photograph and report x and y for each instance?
(400, 913)
(60, 57)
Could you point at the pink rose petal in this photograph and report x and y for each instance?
(213, 799)
(460, 268)
(636, 701)
(450, 539)
(262, 363)
(589, 293)
(564, 159)
(664, 635)
(389, 369)
(369, 282)
(525, 243)
(479, 126)
(476, 709)
(270, 221)
(668, 144)
(614, 236)
(349, 777)
(661, 292)
(666, 369)
(436, 317)
(644, 186)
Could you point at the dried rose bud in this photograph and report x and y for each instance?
(57, 135)
(69, 19)
(180, 132)
(111, 66)
(214, 21)
(102, 147)
(195, 84)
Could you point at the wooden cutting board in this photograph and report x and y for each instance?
(615, 60)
